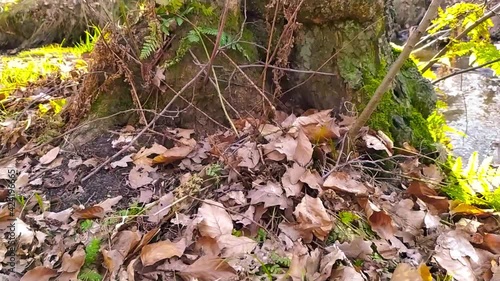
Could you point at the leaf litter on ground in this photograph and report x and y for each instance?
(276, 202)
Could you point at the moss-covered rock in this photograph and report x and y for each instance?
(359, 55)
(33, 23)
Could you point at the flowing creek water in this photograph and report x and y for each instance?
(473, 100)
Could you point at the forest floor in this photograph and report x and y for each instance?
(278, 201)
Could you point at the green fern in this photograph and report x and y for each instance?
(195, 36)
(92, 251)
(478, 45)
(152, 41)
(477, 184)
(89, 275)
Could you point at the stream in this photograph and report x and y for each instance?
(473, 100)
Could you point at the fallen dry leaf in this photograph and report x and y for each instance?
(356, 249)
(303, 151)
(208, 268)
(74, 262)
(311, 215)
(271, 194)
(155, 252)
(94, 212)
(376, 143)
(39, 273)
(161, 208)
(139, 176)
(344, 182)
(405, 272)
(290, 180)
(175, 153)
(108, 204)
(215, 220)
(490, 242)
(233, 247)
(437, 204)
(379, 220)
(50, 156)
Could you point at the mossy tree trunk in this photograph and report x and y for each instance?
(345, 44)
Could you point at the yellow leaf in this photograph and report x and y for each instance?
(425, 272)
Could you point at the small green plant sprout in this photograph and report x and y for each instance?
(88, 274)
(86, 225)
(92, 251)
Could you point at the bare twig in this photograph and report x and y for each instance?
(465, 70)
(389, 77)
(464, 33)
(217, 40)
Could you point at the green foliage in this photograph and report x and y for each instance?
(152, 42)
(276, 265)
(86, 225)
(132, 210)
(261, 235)
(478, 45)
(347, 217)
(281, 261)
(196, 36)
(89, 275)
(173, 13)
(438, 128)
(92, 251)
(477, 184)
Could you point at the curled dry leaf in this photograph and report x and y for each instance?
(122, 245)
(155, 252)
(94, 212)
(356, 249)
(233, 246)
(378, 219)
(50, 156)
(161, 208)
(39, 273)
(215, 220)
(311, 215)
(142, 157)
(74, 262)
(249, 155)
(139, 176)
(208, 268)
(344, 182)
(376, 143)
(176, 153)
(437, 204)
(290, 180)
(303, 151)
(490, 242)
(107, 205)
(270, 132)
(405, 272)
(270, 194)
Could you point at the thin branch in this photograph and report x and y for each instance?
(217, 39)
(465, 70)
(443, 51)
(389, 77)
